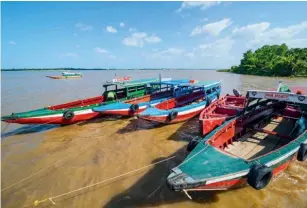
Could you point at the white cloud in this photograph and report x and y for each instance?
(105, 52)
(71, 54)
(153, 39)
(190, 55)
(192, 4)
(297, 43)
(138, 39)
(12, 42)
(218, 48)
(251, 29)
(101, 50)
(83, 27)
(214, 28)
(261, 33)
(122, 24)
(111, 29)
(132, 29)
(111, 56)
(168, 53)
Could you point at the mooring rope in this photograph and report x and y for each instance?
(66, 158)
(37, 202)
(193, 156)
(7, 124)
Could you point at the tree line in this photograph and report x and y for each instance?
(274, 60)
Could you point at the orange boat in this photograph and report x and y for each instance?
(220, 110)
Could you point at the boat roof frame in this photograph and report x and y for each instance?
(279, 96)
(128, 84)
(186, 83)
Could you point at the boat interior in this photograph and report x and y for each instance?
(180, 101)
(227, 106)
(150, 97)
(78, 103)
(266, 133)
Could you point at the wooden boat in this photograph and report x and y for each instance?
(219, 111)
(67, 75)
(162, 91)
(81, 110)
(248, 149)
(192, 98)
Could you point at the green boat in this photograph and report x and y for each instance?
(81, 110)
(249, 149)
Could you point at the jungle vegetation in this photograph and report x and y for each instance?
(273, 60)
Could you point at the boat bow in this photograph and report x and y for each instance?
(207, 168)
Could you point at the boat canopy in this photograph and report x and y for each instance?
(131, 83)
(171, 82)
(279, 96)
(205, 84)
(188, 83)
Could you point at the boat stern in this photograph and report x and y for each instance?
(154, 114)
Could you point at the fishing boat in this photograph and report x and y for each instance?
(219, 111)
(250, 148)
(160, 91)
(67, 75)
(189, 100)
(81, 110)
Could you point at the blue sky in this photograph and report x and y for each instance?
(144, 34)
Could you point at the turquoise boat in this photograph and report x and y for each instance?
(249, 149)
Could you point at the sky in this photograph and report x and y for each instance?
(195, 35)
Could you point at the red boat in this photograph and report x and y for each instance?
(220, 110)
(81, 110)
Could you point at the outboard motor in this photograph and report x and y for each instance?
(236, 93)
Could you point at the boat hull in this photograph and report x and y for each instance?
(63, 77)
(247, 150)
(81, 115)
(124, 108)
(182, 116)
(241, 181)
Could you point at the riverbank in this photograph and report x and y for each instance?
(273, 61)
(264, 75)
(94, 69)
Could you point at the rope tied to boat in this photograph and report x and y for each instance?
(37, 202)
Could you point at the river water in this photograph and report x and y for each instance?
(75, 156)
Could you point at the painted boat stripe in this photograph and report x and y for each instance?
(281, 158)
(182, 112)
(81, 112)
(228, 177)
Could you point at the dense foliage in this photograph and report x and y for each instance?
(275, 60)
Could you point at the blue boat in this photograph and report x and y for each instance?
(189, 100)
(158, 92)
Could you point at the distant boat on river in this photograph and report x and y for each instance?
(67, 75)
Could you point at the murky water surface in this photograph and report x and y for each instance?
(96, 150)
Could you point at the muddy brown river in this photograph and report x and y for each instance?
(66, 158)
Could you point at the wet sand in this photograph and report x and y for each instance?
(96, 150)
